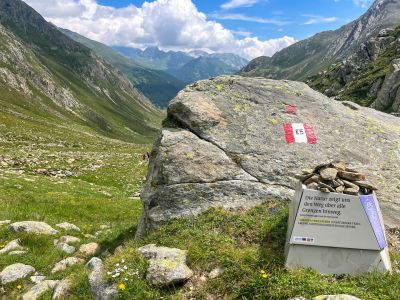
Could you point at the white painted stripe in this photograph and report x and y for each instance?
(299, 133)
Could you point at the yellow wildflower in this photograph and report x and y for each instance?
(19, 286)
(122, 286)
(263, 274)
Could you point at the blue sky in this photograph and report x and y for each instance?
(295, 13)
(249, 28)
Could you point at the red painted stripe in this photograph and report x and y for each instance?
(289, 136)
(311, 138)
(291, 109)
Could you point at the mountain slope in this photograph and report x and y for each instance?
(369, 77)
(48, 77)
(160, 87)
(308, 57)
(202, 68)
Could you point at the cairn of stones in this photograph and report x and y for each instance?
(336, 177)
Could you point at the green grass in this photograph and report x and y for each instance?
(106, 175)
(244, 244)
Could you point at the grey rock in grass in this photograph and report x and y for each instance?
(33, 227)
(64, 247)
(335, 297)
(39, 289)
(61, 289)
(11, 246)
(5, 222)
(17, 252)
(68, 226)
(167, 266)
(101, 290)
(69, 239)
(15, 272)
(65, 263)
(37, 278)
(226, 148)
(215, 273)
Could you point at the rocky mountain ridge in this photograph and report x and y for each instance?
(308, 57)
(187, 67)
(369, 76)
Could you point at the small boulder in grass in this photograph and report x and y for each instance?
(89, 249)
(15, 272)
(336, 177)
(167, 266)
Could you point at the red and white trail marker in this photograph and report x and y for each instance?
(299, 133)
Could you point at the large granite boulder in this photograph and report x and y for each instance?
(224, 145)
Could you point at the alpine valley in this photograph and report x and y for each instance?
(155, 166)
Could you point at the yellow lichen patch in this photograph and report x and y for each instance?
(273, 121)
(219, 87)
(190, 155)
(237, 108)
(244, 107)
(167, 263)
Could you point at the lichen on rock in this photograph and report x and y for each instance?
(217, 156)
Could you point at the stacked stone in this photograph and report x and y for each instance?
(336, 177)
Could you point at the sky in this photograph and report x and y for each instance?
(249, 28)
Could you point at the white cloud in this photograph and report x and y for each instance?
(241, 17)
(168, 24)
(363, 3)
(238, 3)
(314, 19)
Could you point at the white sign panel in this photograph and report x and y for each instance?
(332, 220)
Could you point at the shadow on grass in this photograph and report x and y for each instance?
(124, 236)
(273, 239)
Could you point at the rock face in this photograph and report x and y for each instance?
(389, 95)
(15, 272)
(225, 146)
(33, 227)
(369, 76)
(166, 265)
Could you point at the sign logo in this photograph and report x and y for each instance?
(301, 239)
